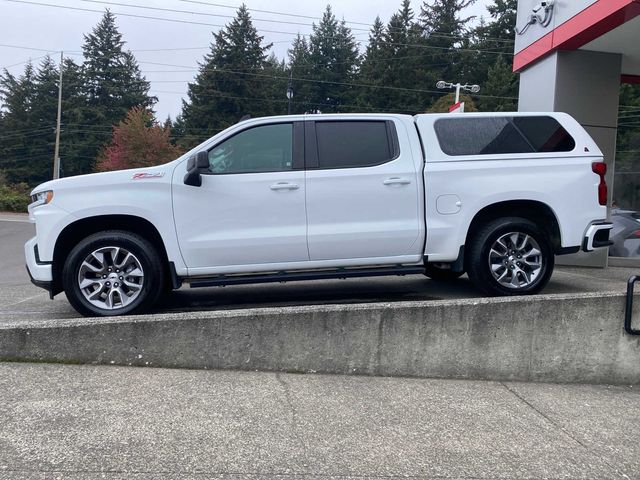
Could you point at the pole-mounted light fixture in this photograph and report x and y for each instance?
(458, 86)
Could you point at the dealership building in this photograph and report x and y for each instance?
(572, 56)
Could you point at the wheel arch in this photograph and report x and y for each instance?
(535, 211)
(84, 227)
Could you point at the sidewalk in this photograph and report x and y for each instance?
(85, 422)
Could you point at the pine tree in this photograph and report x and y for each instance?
(406, 63)
(373, 67)
(501, 31)
(299, 67)
(333, 64)
(275, 88)
(494, 44)
(138, 141)
(501, 83)
(26, 153)
(231, 82)
(445, 31)
(112, 78)
(111, 84)
(74, 160)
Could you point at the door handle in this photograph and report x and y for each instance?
(284, 186)
(396, 181)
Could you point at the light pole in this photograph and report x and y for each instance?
(470, 88)
(289, 94)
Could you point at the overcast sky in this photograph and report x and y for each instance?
(25, 24)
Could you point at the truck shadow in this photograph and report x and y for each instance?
(362, 290)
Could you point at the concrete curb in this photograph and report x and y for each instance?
(551, 338)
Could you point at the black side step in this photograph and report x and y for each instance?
(223, 280)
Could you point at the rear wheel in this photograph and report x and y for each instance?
(510, 256)
(113, 273)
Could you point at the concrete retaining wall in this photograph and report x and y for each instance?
(555, 338)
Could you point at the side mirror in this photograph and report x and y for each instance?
(196, 164)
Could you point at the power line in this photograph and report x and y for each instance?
(172, 10)
(146, 17)
(284, 77)
(21, 47)
(366, 30)
(350, 84)
(224, 26)
(22, 63)
(272, 12)
(367, 24)
(380, 60)
(270, 100)
(209, 4)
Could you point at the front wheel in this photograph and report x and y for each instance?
(510, 256)
(113, 273)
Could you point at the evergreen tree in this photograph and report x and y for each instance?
(333, 63)
(445, 31)
(112, 78)
(233, 81)
(373, 68)
(300, 68)
(275, 87)
(405, 64)
(501, 83)
(111, 84)
(26, 148)
(74, 123)
(499, 34)
(494, 44)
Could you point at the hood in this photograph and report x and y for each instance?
(133, 176)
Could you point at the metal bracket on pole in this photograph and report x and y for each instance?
(628, 311)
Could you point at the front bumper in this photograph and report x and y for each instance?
(597, 236)
(41, 273)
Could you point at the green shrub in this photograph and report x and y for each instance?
(14, 198)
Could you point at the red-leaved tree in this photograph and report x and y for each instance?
(138, 141)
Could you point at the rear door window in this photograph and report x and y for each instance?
(348, 144)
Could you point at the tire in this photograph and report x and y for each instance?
(510, 256)
(113, 273)
(441, 274)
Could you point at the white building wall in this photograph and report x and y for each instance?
(563, 10)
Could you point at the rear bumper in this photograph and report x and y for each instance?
(597, 236)
(41, 273)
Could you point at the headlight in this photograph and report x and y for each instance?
(41, 198)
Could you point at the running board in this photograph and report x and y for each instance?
(280, 277)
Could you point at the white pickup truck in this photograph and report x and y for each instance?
(328, 196)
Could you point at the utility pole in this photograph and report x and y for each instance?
(289, 92)
(56, 155)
